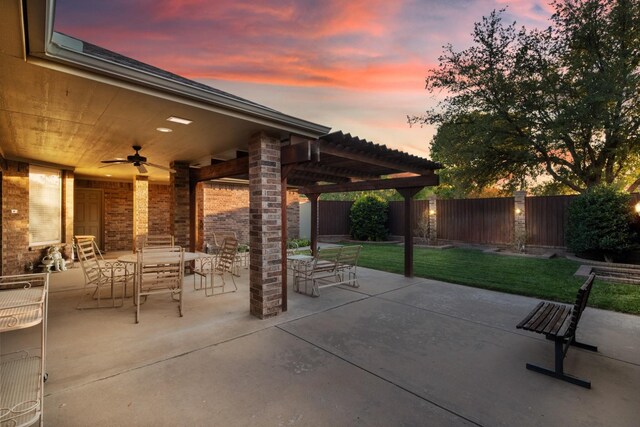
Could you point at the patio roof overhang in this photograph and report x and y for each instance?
(70, 104)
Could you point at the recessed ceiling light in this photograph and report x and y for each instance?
(180, 120)
(166, 130)
(108, 174)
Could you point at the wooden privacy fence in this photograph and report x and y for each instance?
(333, 217)
(477, 221)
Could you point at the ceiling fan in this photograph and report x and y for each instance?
(136, 160)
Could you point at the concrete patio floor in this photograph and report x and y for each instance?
(396, 351)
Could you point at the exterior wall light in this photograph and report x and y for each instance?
(638, 208)
(518, 211)
(432, 212)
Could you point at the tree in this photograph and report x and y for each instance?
(563, 102)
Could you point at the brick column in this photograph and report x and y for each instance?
(265, 226)
(68, 181)
(200, 215)
(140, 208)
(179, 209)
(520, 225)
(433, 220)
(15, 218)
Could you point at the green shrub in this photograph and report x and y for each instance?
(369, 218)
(600, 223)
(298, 243)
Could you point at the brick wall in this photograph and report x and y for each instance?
(15, 226)
(224, 207)
(16, 252)
(159, 209)
(118, 212)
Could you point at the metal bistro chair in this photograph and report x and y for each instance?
(100, 274)
(218, 240)
(158, 240)
(159, 271)
(210, 267)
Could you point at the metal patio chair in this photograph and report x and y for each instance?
(223, 263)
(159, 271)
(100, 274)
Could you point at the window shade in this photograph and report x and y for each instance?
(45, 206)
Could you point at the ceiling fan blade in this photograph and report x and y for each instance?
(141, 168)
(153, 165)
(118, 160)
(112, 164)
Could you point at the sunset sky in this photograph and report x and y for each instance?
(356, 65)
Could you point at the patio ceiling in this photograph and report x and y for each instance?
(82, 104)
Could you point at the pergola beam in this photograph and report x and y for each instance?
(318, 176)
(234, 167)
(289, 154)
(378, 184)
(330, 148)
(335, 171)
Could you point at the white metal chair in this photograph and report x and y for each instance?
(158, 240)
(211, 266)
(159, 271)
(100, 274)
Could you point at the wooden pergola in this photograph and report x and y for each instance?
(333, 163)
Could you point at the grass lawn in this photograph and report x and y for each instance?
(550, 279)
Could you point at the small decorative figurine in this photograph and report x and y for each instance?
(54, 259)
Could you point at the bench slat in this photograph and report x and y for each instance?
(545, 315)
(541, 318)
(524, 321)
(546, 318)
(559, 319)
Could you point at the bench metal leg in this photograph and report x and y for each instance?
(584, 346)
(559, 366)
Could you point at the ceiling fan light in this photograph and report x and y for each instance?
(165, 130)
(180, 120)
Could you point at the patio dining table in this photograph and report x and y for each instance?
(161, 257)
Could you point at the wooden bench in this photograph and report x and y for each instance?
(559, 322)
(330, 267)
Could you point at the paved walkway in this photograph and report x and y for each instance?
(396, 351)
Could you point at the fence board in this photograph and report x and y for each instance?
(547, 219)
(334, 217)
(476, 220)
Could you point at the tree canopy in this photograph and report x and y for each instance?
(561, 103)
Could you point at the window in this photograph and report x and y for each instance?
(45, 206)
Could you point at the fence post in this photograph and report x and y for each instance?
(520, 221)
(433, 220)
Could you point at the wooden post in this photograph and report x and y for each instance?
(283, 215)
(193, 213)
(313, 199)
(408, 194)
